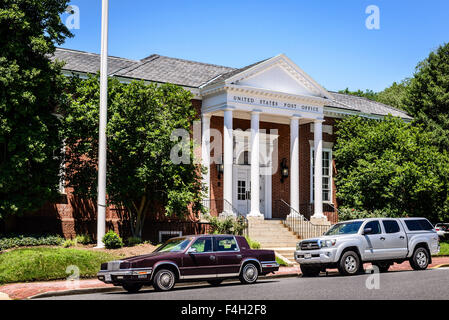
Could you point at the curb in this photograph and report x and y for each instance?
(4, 297)
(118, 289)
(441, 266)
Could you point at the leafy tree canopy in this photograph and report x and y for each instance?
(391, 166)
(427, 98)
(140, 175)
(31, 88)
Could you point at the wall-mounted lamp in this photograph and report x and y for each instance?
(220, 169)
(284, 170)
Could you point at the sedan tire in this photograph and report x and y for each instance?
(164, 280)
(249, 274)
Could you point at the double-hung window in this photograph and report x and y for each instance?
(327, 176)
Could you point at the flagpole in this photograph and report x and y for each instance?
(102, 147)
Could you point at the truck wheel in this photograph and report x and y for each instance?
(132, 287)
(310, 271)
(249, 274)
(164, 280)
(383, 267)
(215, 283)
(420, 259)
(349, 264)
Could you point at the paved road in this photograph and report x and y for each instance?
(431, 284)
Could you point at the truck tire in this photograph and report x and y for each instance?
(310, 271)
(249, 274)
(349, 264)
(420, 259)
(383, 267)
(164, 280)
(132, 287)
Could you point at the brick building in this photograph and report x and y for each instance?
(269, 118)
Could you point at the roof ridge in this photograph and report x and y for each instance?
(94, 54)
(190, 61)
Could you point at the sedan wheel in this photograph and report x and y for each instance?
(249, 274)
(164, 280)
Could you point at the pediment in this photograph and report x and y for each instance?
(279, 74)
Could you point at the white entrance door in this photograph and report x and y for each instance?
(242, 189)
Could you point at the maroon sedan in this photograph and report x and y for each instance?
(212, 258)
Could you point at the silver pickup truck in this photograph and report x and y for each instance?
(383, 242)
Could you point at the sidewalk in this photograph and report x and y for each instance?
(19, 291)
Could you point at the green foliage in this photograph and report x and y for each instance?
(32, 88)
(390, 166)
(226, 225)
(69, 243)
(444, 248)
(369, 94)
(133, 241)
(43, 264)
(141, 120)
(112, 240)
(253, 244)
(281, 262)
(346, 214)
(427, 98)
(16, 241)
(394, 95)
(83, 239)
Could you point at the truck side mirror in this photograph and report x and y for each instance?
(367, 231)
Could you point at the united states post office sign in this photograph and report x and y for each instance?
(276, 104)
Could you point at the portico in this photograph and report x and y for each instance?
(274, 92)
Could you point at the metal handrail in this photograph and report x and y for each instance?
(302, 227)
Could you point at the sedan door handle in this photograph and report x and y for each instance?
(213, 258)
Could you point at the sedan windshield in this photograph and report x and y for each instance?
(174, 245)
(345, 228)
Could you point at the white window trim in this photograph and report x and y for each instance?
(169, 233)
(331, 175)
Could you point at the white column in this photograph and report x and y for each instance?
(228, 159)
(255, 165)
(205, 146)
(294, 166)
(318, 169)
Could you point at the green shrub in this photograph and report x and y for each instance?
(227, 225)
(253, 244)
(133, 241)
(16, 241)
(69, 243)
(84, 239)
(346, 214)
(112, 240)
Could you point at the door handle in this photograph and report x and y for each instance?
(382, 238)
(402, 237)
(239, 256)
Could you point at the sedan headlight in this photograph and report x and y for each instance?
(327, 243)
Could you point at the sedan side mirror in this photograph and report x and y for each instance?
(367, 231)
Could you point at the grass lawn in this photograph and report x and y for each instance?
(42, 264)
(444, 248)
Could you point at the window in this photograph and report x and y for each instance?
(418, 225)
(345, 228)
(203, 245)
(174, 245)
(375, 226)
(391, 226)
(225, 244)
(327, 176)
(241, 190)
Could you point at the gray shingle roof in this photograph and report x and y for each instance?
(193, 74)
(364, 105)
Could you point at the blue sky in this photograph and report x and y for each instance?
(327, 39)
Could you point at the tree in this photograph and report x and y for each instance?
(31, 88)
(394, 95)
(369, 94)
(427, 98)
(141, 175)
(392, 166)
